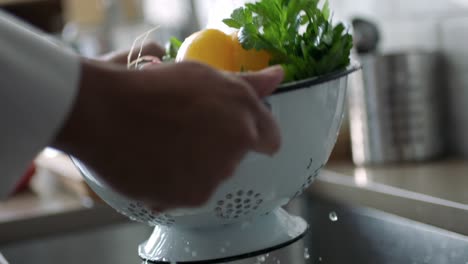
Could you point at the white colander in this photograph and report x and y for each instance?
(244, 216)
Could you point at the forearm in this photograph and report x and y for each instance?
(38, 83)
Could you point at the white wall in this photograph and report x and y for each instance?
(404, 24)
(408, 24)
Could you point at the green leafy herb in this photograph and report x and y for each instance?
(172, 48)
(297, 33)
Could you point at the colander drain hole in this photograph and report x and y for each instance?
(138, 212)
(238, 204)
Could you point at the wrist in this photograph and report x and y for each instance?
(83, 118)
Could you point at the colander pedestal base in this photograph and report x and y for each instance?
(223, 243)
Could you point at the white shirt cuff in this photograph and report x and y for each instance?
(38, 84)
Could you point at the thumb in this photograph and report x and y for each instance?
(266, 81)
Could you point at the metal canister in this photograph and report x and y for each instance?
(396, 108)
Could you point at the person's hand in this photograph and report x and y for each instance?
(169, 134)
(151, 49)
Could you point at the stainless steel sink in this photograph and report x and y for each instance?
(113, 244)
(338, 234)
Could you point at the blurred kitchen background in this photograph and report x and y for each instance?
(403, 145)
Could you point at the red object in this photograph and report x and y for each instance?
(24, 182)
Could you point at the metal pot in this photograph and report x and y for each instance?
(396, 108)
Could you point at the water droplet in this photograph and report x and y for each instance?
(223, 250)
(306, 253)
(194, 253)
(320, 259)
(187, 249)
(261, 259)
(278, 261)
(333, 216)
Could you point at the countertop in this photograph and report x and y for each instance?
(54, 204)
(433, 193)
(446, 179)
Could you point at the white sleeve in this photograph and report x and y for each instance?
(2, 259)
(38, 83)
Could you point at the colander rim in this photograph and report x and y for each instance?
(310, 82)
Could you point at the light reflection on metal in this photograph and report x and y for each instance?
(360, 177)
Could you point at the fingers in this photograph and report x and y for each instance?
(266, 81)
(268, 133)
(153, 49)
(146, 62)
(269, 136)
(150, 49)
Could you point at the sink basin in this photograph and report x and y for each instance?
(338, 234)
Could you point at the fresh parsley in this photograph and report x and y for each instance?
(299, 34)
(172, 47)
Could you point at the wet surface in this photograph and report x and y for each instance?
(338, 234)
